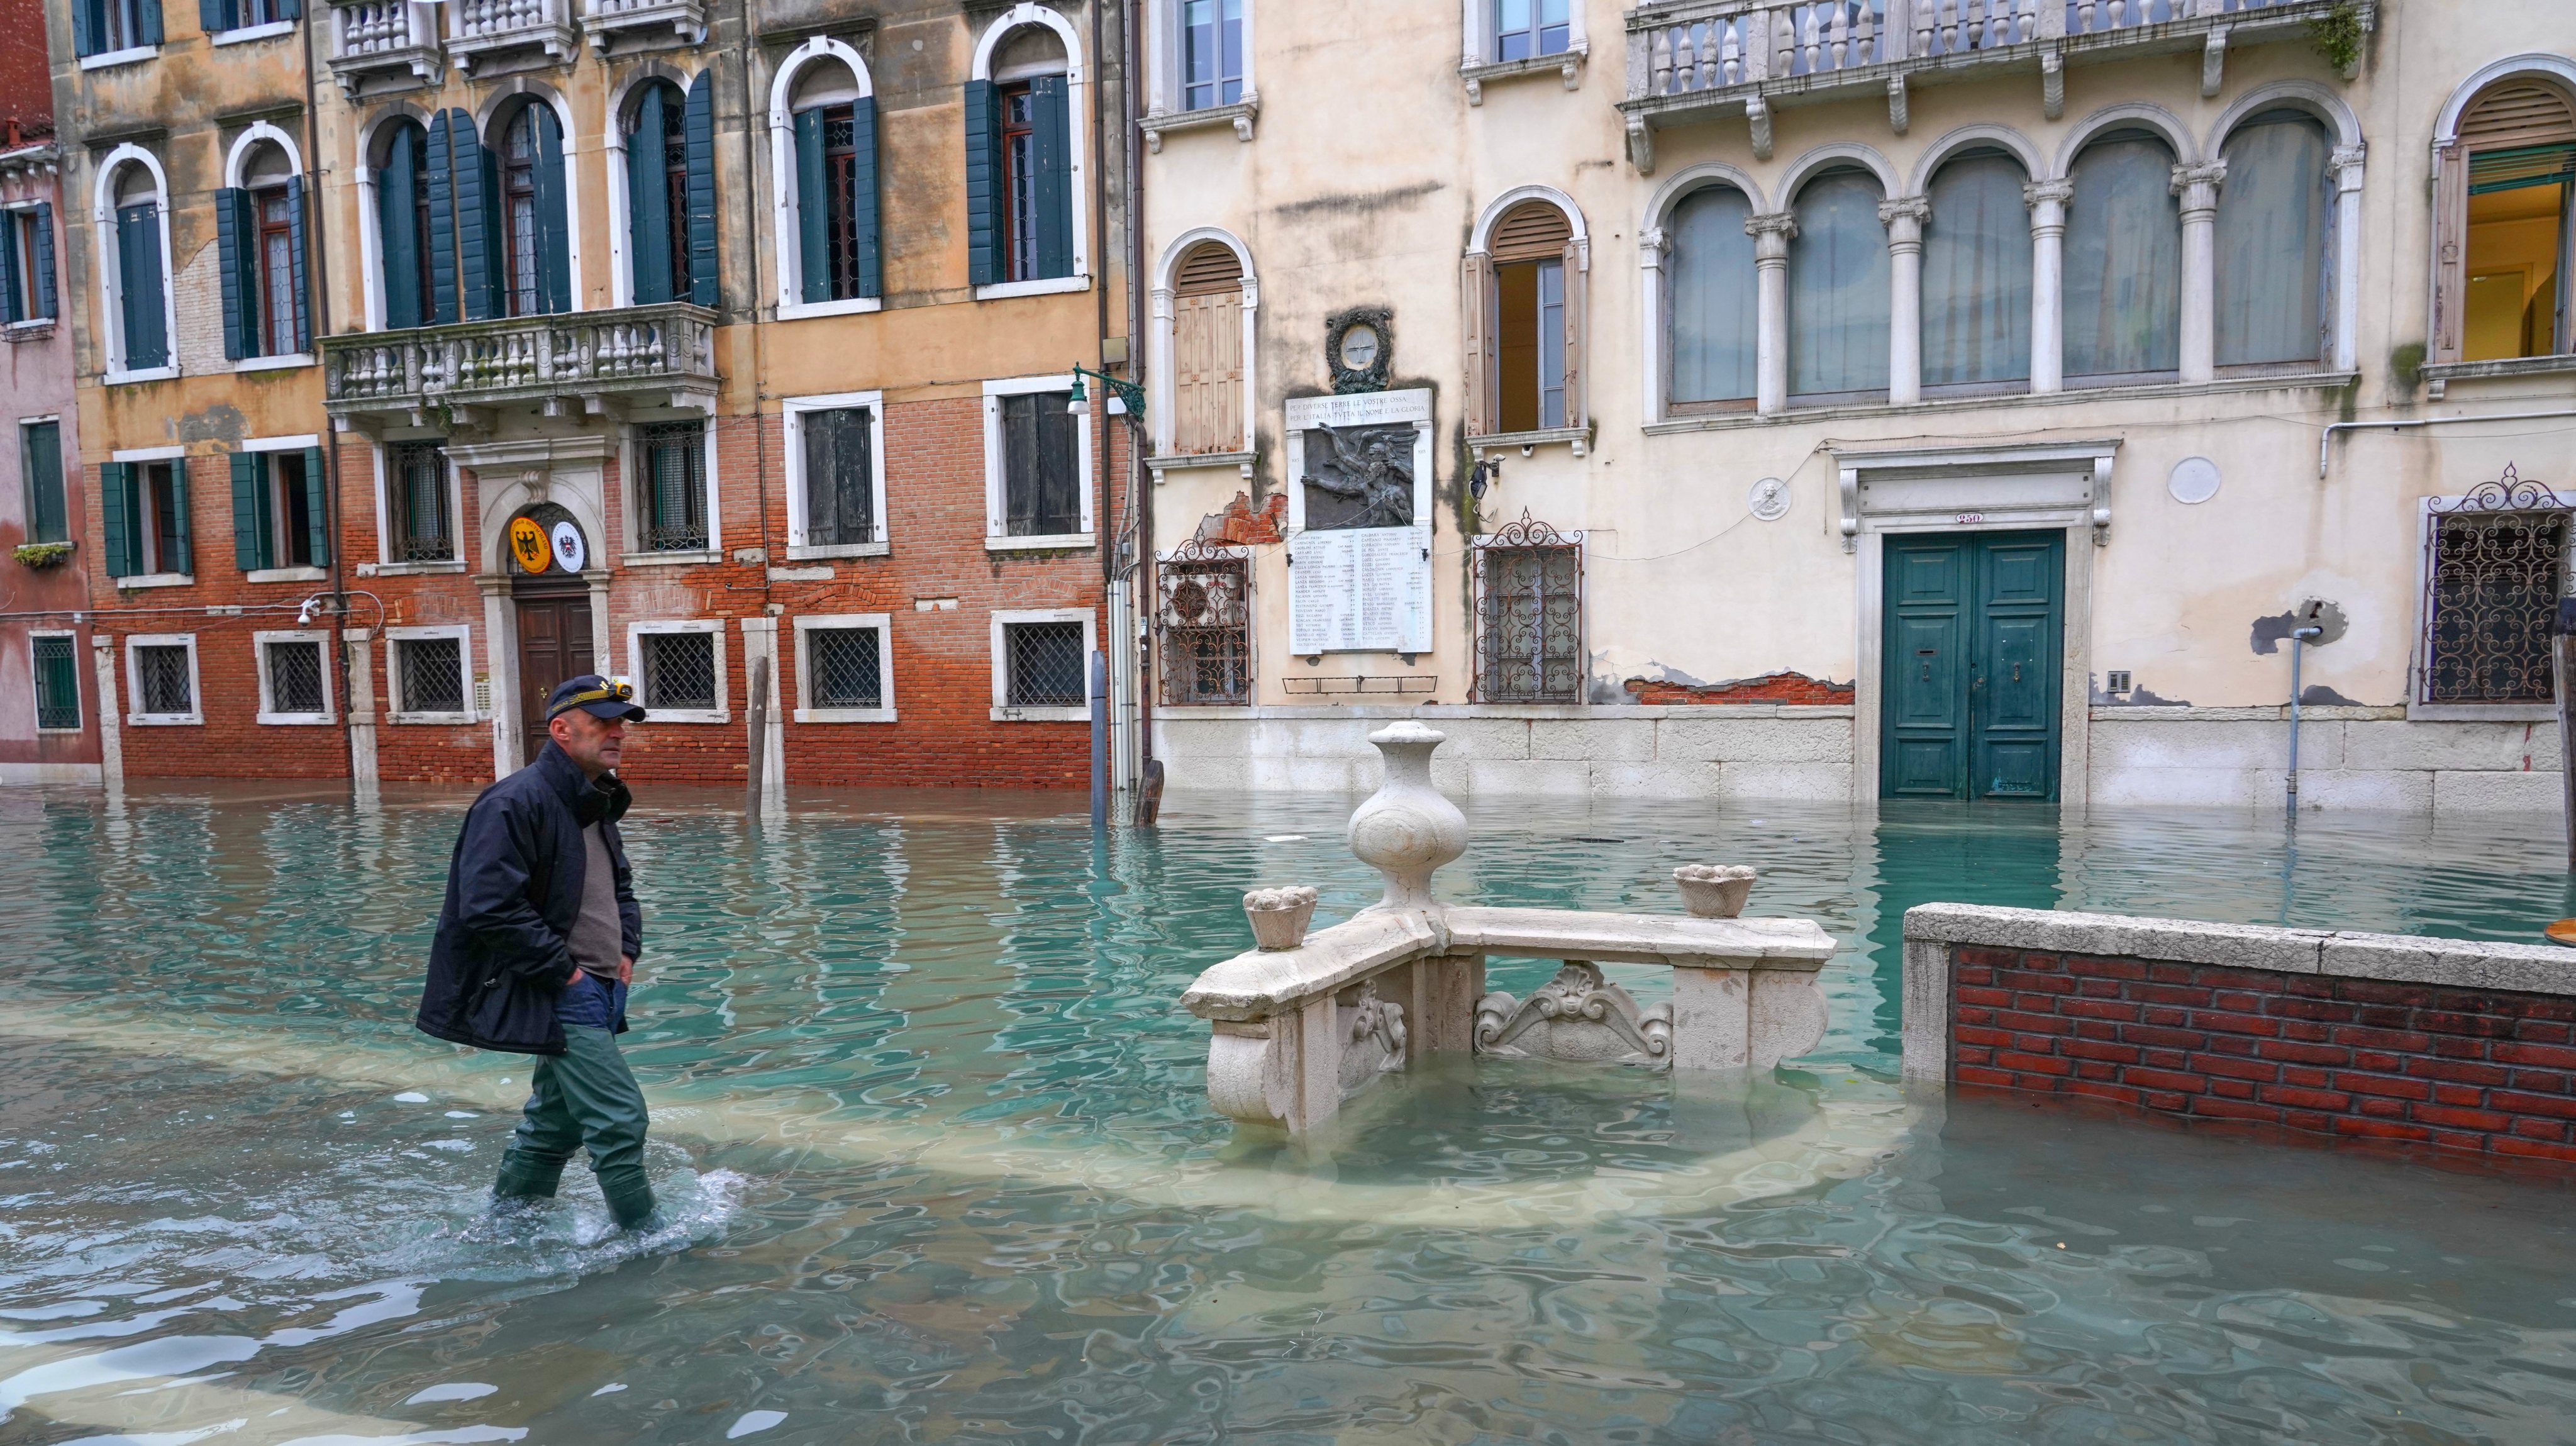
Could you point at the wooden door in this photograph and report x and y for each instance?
(554, 644)
(1968, 703)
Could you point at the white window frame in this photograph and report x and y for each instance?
(26, 211)
(385, 566)
(1476, 63)
(156, 579)
(1159, 370)
(635, 634)
(395, 638)
(1166, 107)
(806, 712)
(130, 55)
(283, 574)
(791, 412)
(265, 30)
(236, 175)
(35, 698)
(196, 714)
(1077, 78)
(787, 206)
(1003, 710)
(997, 512)
(321, 639)
(103, 222)
(630, 471)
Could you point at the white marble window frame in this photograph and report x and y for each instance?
(636, 632)
(268, 713)
(882, 624)
(395, 641)
(791, 421)
(196, 714)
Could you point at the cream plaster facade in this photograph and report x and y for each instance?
(1376, 168)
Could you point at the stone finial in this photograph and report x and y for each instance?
(1407, 829)
(1714, 891)
(1279, 916)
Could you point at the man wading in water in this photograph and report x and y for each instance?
(536, 947)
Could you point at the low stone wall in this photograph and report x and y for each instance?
(2359, 758)
(2462, 1047)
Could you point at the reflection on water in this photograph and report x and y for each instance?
(937, 1164)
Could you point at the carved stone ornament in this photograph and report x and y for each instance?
(1279, 916)
(1714, 891)
(1372, 1035)
(1407, 828)
(1358, 345)
(1576, 1016)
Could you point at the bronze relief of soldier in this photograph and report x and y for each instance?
(1359, 476)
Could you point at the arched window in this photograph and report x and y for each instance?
(2275, 225)
(2123, 305)
(1529, 345)
(836, 184)
(2504, 216)
(138, 278)
(1711, 318)
(669, 142)
(1020, 142)
(1976, 274)
(259, 234)
(1838, 288)
(1207, 351)
(401, 171)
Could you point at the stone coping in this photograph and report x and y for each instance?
(1257, 984)
(1435, 712)
(2340, 953)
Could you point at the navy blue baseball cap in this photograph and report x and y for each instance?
(611, 698)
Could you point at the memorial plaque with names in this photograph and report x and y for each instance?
(1359, 504)
(1360, 590)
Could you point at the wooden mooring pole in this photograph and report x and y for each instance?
(2562, 652)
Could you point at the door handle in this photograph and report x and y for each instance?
(1977, 682)
(2016, 672)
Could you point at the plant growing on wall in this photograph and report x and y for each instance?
(43, 554)
(2337, 36)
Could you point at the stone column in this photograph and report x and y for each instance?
(501, 629)
(1771, 233)
(2047, 202)
(1904, 218)
(1656, 372)
(760, 641)
(111, 721)
(2347, 163)
(2198, 187)
(362, 715)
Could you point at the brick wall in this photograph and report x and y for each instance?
(2462, 1069)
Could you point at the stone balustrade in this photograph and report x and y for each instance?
(1297, 1030)
(481, 29)
(607, 22)
(377, 45)
(667, 348)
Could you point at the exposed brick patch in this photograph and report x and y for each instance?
(2459, 1071)
(1243, 524)
(1783, 687)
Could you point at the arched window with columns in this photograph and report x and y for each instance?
(1839, 289)
(2123, 261)
(1711, 319)
(2505, 214)
(2275, 242)
(1977, 274)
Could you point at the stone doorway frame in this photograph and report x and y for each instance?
(511, 475)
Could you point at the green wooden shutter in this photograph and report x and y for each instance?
(698, 134)
(983, 183)
(317, 517)
(397, 183)
(441, 160)
(554, 230)
(865, 216)
(11, 309)
(86, 24)
(215, 15)
(182, 542)
(251, 548)
(48, 518)
(117, 522)
(296, 266)
(648, 202)
(237, 269)
(477, 232)
(138, 252)
(46, 305)
(290, 9)
(1051, 176)
(813, 209)
(147, 14)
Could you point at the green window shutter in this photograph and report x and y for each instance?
(983, 183)
(215, 15)
(10, 308)
(47, 518)
(478, 238)
(865, 217)
(251, 549)
(86, 24)
(295, 256)
(182, 545)
(147, 14)
(698, 134)
(441, 160)
(1051, 181)
(648, 202)
(138, 252)
(117, 522)
(813, 209)
(44, 248)
(236, 267)
(554, 231)
(290, 9)
(396, 184)
(317, 516)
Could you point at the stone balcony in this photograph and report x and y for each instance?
(618, 27)
(592, 361)
(485, 36)
(381, 46)
(1691, 61)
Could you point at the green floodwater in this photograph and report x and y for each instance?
(938, 1165)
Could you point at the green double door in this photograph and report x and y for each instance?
(1971, 638)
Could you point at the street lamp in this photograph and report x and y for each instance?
(1125, 398)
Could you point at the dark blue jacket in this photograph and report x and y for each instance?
(513, 892)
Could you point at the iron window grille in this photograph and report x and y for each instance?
(675, 486)
(840, 477)
(1206, 624)
(845, 667)
(1047, 667)
(841, 176)
(1529, 614)
(1041, 477)
(294, 676)
(433, 675)
(417, 480)
(2495, 574)
(679, 671)
(165, 679)
(57, 683)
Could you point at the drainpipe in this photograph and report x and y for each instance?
(318, 260)
(2298, 649)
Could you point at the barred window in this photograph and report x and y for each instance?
(416, 490)
(294, 676)
(164, 680)
(57, 682)
(845, 667)
(679, 671)
(2492, 589)
(1046, 665)
(1529, 616)
(840, 477)
(1041, 477)
(1206, 626)
(674, 486)
(433, 674)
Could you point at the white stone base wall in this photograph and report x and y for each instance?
(2349, 758)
